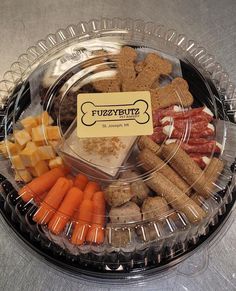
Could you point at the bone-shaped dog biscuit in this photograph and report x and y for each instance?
(139, 66)
(176, 93)
(154, 66)
(135, 111)
(108, 85)
(126, 68)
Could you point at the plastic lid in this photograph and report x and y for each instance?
(105, 194)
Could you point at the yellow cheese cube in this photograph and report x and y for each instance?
(53, 143)
(46, 152)
(44, 118)
(28, 123)
(7, 147)
(23, 175)
(22, 137)
(53, 132)
(55, 162)
(17, 162)
(20, 147)
(31, 145)
(40, 143)
(39, 169)
(30, 156)
(39, 134)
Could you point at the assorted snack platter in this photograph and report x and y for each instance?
(116, 203)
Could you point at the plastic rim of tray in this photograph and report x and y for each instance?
(148, 34)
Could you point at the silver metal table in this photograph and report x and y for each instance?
(211, 23)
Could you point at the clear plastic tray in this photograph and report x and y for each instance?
(49, 77)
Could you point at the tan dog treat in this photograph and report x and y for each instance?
(126, 68)
(176, 198)
(107, 85)
(117, 193)
(118, 237)
(146, 142)
(176, 93)
(212, 173)
(186, 168)
(154, 67)
(154, 207)
(126, 213)
(138, 188)
(139, 66)
(151, 161)
(197, 199)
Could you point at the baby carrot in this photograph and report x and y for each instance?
(81, 181)
(52, 201)
(71, 202)
(39, 199)
(90, 189)
(96, 232)
(42, 184)
(82, 224)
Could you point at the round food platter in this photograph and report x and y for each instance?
(88, 181)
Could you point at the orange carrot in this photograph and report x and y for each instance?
(52, 201)
(85, 214)
(42, 184)
(96, 233)
(90, 189)
(39, 199)
(70, 203)
(81, 181)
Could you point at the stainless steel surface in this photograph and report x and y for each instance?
(213, 25)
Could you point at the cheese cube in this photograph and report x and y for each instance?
(7, 147)
(55, 162)
(53, 132)
(23, 175)
(31, 145)
(53, 143)
(39, 169)
(20, 147)
(40, 143)
(44, 118)
(39, 134)
(28, 123)
(17, 162)
(22, 137)
(30, 156)
(46, 152)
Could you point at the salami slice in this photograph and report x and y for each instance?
(158, 136)
(186, 133)
(194, 114)
(184, 124)
(161, 113)
(191, 120)
(202, 161)
(205, 148)
(196, 141)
